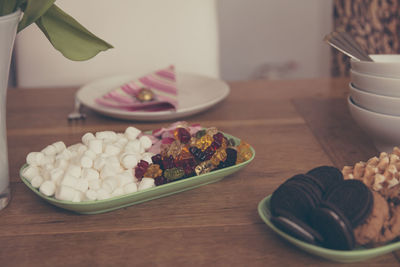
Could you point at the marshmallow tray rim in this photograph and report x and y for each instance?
(355, 255)
(106, 205)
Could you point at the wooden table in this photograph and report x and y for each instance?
(293, 126)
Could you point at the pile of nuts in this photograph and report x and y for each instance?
(380, 174)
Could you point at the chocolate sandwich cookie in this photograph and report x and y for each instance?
(310, 182)
(333, 226)
(327, 175)
(353, 198)
(297, 228)
(294, 199)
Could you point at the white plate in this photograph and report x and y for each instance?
(196, 93)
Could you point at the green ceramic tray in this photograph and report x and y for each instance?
(100, 206)
(358, 254)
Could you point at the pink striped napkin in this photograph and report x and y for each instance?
(162, 84)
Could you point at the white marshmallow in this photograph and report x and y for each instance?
(82, 149)
(49, 150)
(147, 158)
(82, 185)
(78, 197)
(146, 183)
(74, 170)
(61, 164)
(110, 184)
(112, 150)
(99, 163)
(117, 192)
(74, 147)
(86, 162)
(133, 146)
(121, 142)
(48, 188)
(90, 154)
(56, 175)
(90, 174)
(87, 137)
(94, 184)
(45, 173)
(91, 194)
(109, 170)
(102, 194)
(37, 181)
(69, 180)
(113, 161)
(132, 133)
(35, 158)
(145, 142)
(96, 145)
(30, 172)
(107, 135)
(130, 188)
(65, 154)
(60, 146)
(129, 160)
(48, 160)
(124, 179)
(65, 192)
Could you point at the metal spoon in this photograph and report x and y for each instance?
(76, 114)
(343, 42)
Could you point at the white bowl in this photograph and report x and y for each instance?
(389, 105)
(383, 65)
(376, 84)
(383, 129)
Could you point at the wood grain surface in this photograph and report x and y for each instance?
(293, 126)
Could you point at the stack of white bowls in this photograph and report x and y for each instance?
(374, 100)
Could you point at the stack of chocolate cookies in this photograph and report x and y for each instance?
(321, 208)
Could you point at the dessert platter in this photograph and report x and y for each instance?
(345, 216)
(109, 170)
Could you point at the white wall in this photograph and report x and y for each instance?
(255, 34)
(258, 38)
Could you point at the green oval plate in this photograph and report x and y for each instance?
(358, 254)
(100, 206)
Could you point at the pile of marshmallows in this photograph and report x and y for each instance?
(100, 167)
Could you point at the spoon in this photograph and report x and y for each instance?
(343, 42)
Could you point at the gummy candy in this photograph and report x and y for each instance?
(140, 169)
(185, 153)
(204, 142)
(244, 152)
(219, 155)
(174, 174)
(174, 149)
(157, 159)
(231, 156)
(153, 171)
(187, 150)
(204, 167)
(168, 163)
(200, 134)
(218, 139)
(160, 180)
(182, 135)
(211, 131)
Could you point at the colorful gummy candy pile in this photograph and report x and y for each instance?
(185, 151)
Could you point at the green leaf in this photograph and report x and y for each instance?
(7, 7)
(69, 37)
(34, 10)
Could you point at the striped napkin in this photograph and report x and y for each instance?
(160, 86)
